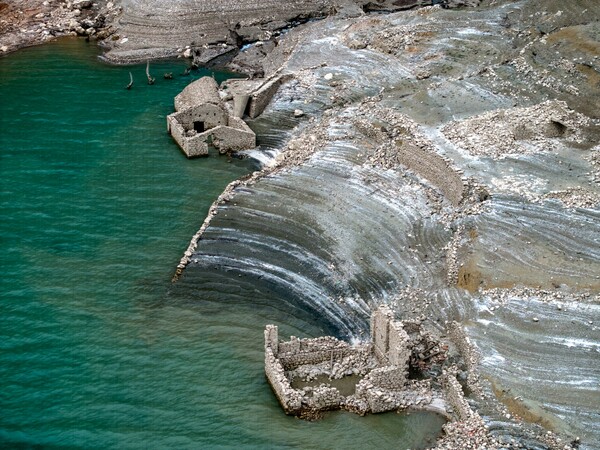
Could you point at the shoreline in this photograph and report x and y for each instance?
(33, 22)
(312, 138)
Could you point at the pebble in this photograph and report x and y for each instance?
(328, 76)
(298, 113)
(535, 319)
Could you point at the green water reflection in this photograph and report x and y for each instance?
(97, 348)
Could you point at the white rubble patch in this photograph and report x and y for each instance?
(525, 130)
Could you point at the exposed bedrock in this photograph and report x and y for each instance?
(29, 22)
(213, 31)
(357, 203)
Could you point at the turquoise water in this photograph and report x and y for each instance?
(97, 348)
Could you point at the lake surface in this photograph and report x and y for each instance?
(97, 348)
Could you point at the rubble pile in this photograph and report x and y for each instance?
(524, 130)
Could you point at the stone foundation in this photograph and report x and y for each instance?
(379, 370)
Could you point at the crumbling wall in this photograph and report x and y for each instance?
(272, 338)
(402, 143)
(381, 389)
(261, 97)
(456, 397)
(470, 355)
(459, 337)
(211, 115)
(299, 352)
(322, 398)
(295, 345)
(289, 398)
(435, 169)
(389, 377)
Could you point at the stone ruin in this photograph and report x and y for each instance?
(310, 376)
(206, 115)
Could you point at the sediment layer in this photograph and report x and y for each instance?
(341, 221)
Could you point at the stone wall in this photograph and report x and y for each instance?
(272, 339)
(456, 397)
(192, 146)
(263, 95)
(289, 398)
(322, 398)
(383, 389)
(295, 345)
(435, 169)
(298, 352)
(466, 349)
(390, 341)
(211, 115)
(175, 129)
(399, 346)
(380, 320)
(196, 145)
(389, 377)
(232, 139)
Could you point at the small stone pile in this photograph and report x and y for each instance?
(501, 296)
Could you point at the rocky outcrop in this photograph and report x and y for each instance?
(29, 22)
(157, 28)
(216, 30)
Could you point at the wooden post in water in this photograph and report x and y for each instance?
(128, 87)
(150, 79)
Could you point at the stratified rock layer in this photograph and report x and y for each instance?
(339, 221)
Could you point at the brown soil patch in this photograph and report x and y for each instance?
(575, 38)
(519, 409)
(593, 77)
(469, 277)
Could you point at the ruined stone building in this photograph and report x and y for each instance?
(313, 375)
(202, 119)
(205, 115)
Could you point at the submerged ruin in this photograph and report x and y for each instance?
(206, 115)
(402, 366)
